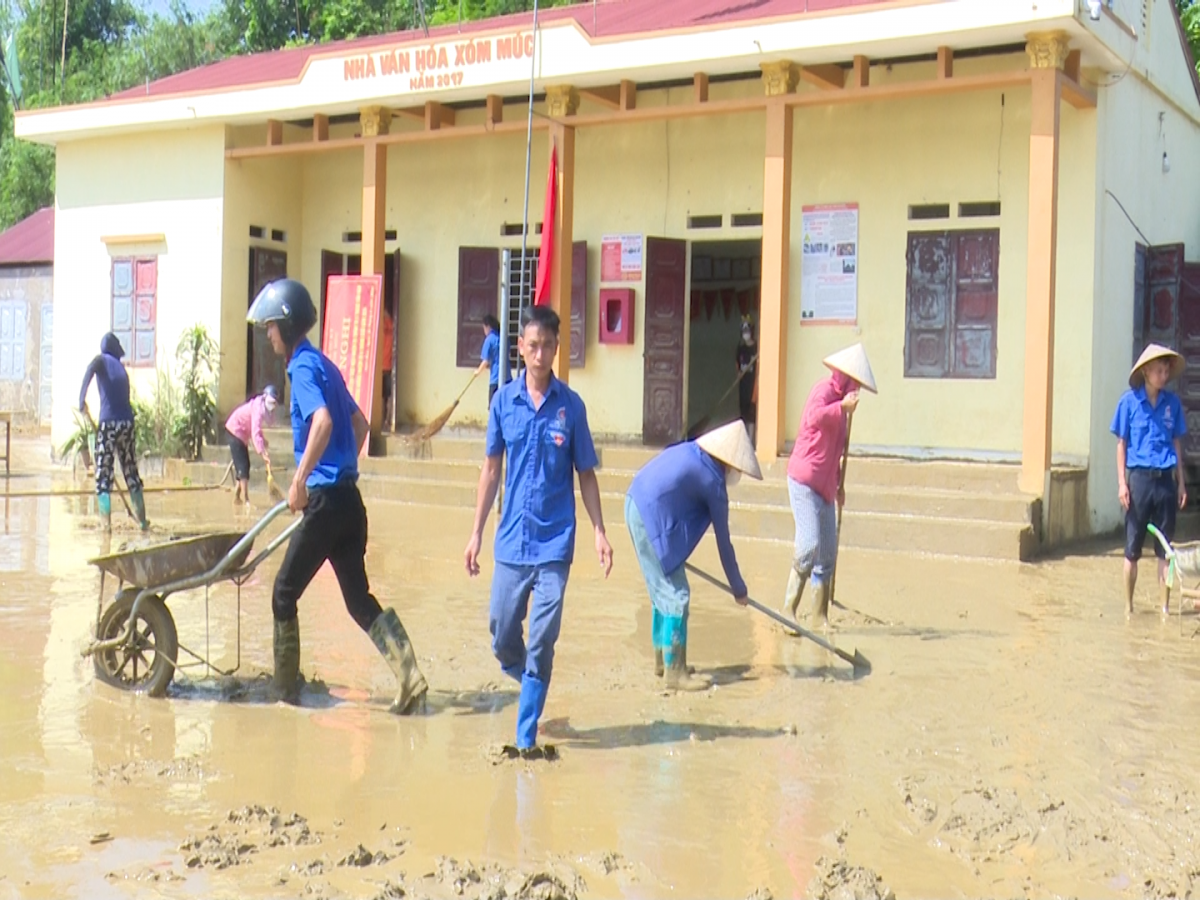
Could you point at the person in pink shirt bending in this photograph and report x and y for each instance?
(813, 474)
(245, 426)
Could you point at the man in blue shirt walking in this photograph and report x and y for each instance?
(114, 433)
(670, 505)
(1149, 426)
(328, 429)
(540, 424)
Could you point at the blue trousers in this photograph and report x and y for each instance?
(538, 591)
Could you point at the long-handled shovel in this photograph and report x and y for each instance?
(841, 492)
(860, 662)
(116, 486)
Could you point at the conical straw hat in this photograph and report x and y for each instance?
(731, 445)
(1152, 352)
(853, 362)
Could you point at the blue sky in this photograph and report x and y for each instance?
(162, 6)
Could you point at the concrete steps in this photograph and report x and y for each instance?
(945, 508)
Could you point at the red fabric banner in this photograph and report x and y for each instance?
(546, 255)
(351, 335)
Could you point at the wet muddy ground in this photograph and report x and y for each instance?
(1017, 736)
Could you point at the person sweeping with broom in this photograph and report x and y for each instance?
(328, 430)
(245, 426)
(814, 471)
(670, 505)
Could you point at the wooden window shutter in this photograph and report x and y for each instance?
(478, 295)
(928, 302)
(951, 304)
(976, 295)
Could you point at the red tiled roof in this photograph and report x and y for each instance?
(607, 19)
(29, 241)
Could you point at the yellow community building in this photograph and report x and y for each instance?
(998, 199)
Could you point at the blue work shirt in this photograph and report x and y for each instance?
(113, 383)
(491, 354)
(316, 383)
(679, 494)
(1149, 432)
(545, 448)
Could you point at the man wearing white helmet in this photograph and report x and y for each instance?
(670, 505)
(813, 475)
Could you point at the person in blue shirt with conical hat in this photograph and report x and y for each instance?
(1149, 426)
(670, 506)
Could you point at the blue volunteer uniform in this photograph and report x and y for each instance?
(335, 521)
(535, 539)
(670, 506)
(1149, 433)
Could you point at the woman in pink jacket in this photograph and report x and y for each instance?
(813, 474)
(245, 426)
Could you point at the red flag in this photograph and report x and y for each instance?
(541, 296)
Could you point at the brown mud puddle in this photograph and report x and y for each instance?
(1017, 736)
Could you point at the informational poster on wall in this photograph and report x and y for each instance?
(352, 333)
(829, 265)
(621, 257)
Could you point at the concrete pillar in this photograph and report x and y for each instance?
(1047, 54)
(776, 250)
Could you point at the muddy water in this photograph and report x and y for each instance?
(1017, 737)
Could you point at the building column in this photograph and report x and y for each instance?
(562, 102)
(375, 121)
(779, 79)
(1047, 55)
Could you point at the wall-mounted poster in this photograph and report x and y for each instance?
(621, 257)
(829, 265)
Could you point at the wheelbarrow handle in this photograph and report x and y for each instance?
(857, 659)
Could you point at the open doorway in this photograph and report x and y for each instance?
(726, 276)
(334, 263)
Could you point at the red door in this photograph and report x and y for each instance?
(263, 365)
(1162, 305)
(662, 379)
(478, 295)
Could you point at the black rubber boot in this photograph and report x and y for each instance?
(391, 640)
(285, 685)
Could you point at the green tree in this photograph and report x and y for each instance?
(1189, 13)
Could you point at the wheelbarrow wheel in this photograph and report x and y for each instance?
(145, 664)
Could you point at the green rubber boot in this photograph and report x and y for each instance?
(285, 685)
(138, 500)
(104, 506)
(795, 589)
(821, 592)
(391, 640)
(678, 677)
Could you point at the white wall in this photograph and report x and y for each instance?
(165, 183)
